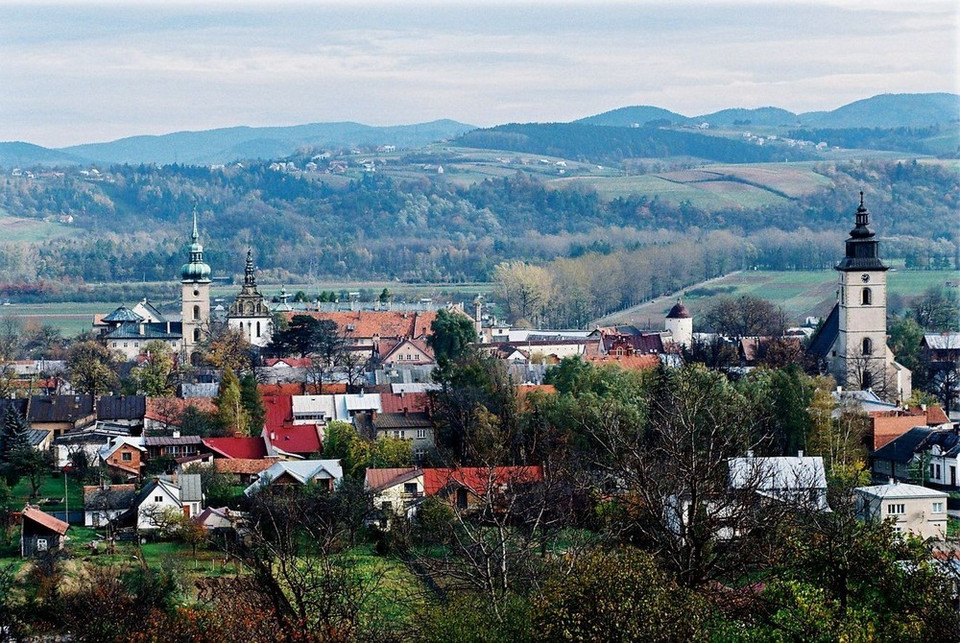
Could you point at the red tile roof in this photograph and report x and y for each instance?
(41, 518)
(385, 324)
(476, 479)
(241, 447)
(300, 439)
(396, 403)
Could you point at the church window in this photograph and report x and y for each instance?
(196, 312)
(867, 346)
(196, 293)
(196, 334)
(866, 297)
(258, 329)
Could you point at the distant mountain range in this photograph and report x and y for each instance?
(225, 145)
(883, 111)
(230, 144)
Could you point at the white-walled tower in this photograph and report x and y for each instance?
(195, 296)
(679, 323)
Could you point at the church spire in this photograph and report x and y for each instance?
(196, 234)
(863, 251)
(249, 274)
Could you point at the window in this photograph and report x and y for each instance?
(938, 507)
(258, 329)
(421, 434)
(158, 498)
(866, 297)
(418, 454)
(409, 487)
(398, 434)
(896, 509)
(867, 346)
(196, 312)
(114, 344)
(125, 344)
(196, 334)
(126, 456)
(937, 472)
(42, 544)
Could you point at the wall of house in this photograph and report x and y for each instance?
(917, 516)
(396, 495)
(118, 459)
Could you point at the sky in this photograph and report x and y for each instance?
(80, 72)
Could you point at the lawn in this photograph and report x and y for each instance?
(50, 488)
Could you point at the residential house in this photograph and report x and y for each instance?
(243, 470)
(799, 481)
(172, 446)
(164, 414)
(942, 348)
(104, 503)
(125, 410)
(465, 487)
(395, 489)
(915, 509)
(365, 329)
(326, 473)
(89, 441)
(922, 454)
(414, 426)
(40, 533)
(283, 437)
(160, 497)
(61, 413)
(124, 455)
(128, 331)
(886, 426)
(404, 352)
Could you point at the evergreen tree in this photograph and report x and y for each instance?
(13, 444)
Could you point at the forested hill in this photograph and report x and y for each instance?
(132, 222)
(611, 145)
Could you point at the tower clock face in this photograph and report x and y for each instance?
(864, 277)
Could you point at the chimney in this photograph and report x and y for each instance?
(176, 433)
(750, 453)
(800, 453)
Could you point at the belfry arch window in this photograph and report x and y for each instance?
(866, 297)
(196, 312)
(196, 334)
(867, 346)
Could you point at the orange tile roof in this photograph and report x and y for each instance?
(626, 362)
(169, 409)
(396, 403)
(242, 466)
(385, 324)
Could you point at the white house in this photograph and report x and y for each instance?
(915, 509)
(326, 473)
(799, 481)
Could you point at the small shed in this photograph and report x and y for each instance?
(40, 532)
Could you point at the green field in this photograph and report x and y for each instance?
(800, 293)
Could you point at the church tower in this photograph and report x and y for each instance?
(249, 313)
(195, 296)
(862, 308)
(679, 323)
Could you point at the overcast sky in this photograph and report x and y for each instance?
(74, 72)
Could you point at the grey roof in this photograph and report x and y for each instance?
(826, 334)
(168, 440)
(190, 488)
(35, 437)
(902, 448)
(900, 490)
(416, 420)
(942, 341)
(301, 470)
(59, 408)
(146, 332)
(122, 314)
(201, 389)
(121, 407)
(111, 497)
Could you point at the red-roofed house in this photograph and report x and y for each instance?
(467, 485)
(164, 413)
(238, 446)
(366, 328)
(887, 426)
(282, 436)
(404, 352)
(400, 402)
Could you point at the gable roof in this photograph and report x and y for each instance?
(387, 348)
(117, 496)
(59, 408)
(478, 479)
(776, 473)
(303, 471)
(942, 341)
(278, 410)
(242, 466)
(393, 403)
(121, 407)
(900, 490)
(380, 479)
(190, 487)
(413, 420)
(301, 439)
(169, 409)
(121, 314)
(385, 324)
(44, 519)
(238, 446)
(826, 335)
(902, 448)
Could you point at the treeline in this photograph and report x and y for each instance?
(136, 220)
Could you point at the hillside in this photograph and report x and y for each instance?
(19, 154)
(890, 111)
(612, 145)
(635, 116)
(219, 146)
